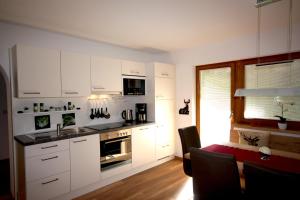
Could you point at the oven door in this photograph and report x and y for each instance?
(115, 152)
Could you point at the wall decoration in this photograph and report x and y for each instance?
(185, 110)
(42, 122)
(68, 119)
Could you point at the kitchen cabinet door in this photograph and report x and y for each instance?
(38, 71)
(165, 130)
(143, 145)
(164, 88)
(106, 75)
(164, 70)
(85, 160)
(296, 26)
(274, 28)
(133, 68)
(75, 74)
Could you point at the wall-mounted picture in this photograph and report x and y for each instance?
(68, 119)
(42, 122)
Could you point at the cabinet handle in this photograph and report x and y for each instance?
(164, 74)
(71, 92)
(98, 88)
(84, 140)
(49, 146)
(134, 72)
(141, 129)
(120, 140)
(31, 93)
(44, 159)
(50, 181)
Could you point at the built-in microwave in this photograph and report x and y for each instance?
(133, 85)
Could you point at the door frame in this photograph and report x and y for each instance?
(199, 68)
(10, 129)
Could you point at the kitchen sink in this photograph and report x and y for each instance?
(63, 132)
(77, 130)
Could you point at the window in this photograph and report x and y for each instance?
(282, 75)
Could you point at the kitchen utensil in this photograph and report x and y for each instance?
(127, 115)
(102, 114)
(98, 113)
(92, 116)
(106, 115)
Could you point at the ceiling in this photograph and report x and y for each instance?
(148, 25)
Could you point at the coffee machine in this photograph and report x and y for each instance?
(141, 112)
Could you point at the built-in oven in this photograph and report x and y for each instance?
(133, 85)
(115, 149)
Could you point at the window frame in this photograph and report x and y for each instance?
(238, 81)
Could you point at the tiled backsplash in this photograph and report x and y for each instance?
(24, 123)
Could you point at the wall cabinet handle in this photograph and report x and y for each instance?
(44, 159)
(98, 88)
(50, 181)
(49, 146)
(84, 140)
(164, 74)
(31, 93)
(71, 92)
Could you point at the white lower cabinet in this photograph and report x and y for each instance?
(85, 160)
(143, 145)
(49, 187)
(43, 170)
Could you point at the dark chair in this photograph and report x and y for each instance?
(215, 176)
(189, 137)
(262, 182)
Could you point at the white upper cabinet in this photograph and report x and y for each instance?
(75, 74)
(133, 68)
(164, 88)
(164, 70)
(164, 81)
(274, 28)
(106, 75)
(296, 26)
(38, 71)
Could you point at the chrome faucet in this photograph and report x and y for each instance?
(58, 129)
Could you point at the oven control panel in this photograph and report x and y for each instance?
(115, 134)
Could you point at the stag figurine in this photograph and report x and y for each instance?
(185, 110)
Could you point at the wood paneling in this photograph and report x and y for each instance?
(166, 181)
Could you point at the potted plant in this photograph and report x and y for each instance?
(282, 124)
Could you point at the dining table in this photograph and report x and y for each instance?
(278, 160)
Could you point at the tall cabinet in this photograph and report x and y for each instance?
(164, 89)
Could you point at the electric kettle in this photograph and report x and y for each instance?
(127, 115)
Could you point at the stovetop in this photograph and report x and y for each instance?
(115, 125)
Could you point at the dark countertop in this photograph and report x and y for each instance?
(31, 139)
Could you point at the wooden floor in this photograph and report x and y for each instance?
(166, 181)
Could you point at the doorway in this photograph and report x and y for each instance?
(5, 140)
(214, 107)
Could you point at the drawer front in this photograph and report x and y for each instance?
(46, 148)
(46, 165)
(49, 187)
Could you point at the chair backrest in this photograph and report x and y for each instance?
(215, 175)
(262, 182)
(189, 137)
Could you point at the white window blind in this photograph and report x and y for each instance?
(282, 75)
(214, 105)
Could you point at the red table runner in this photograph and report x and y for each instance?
(274, 161)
